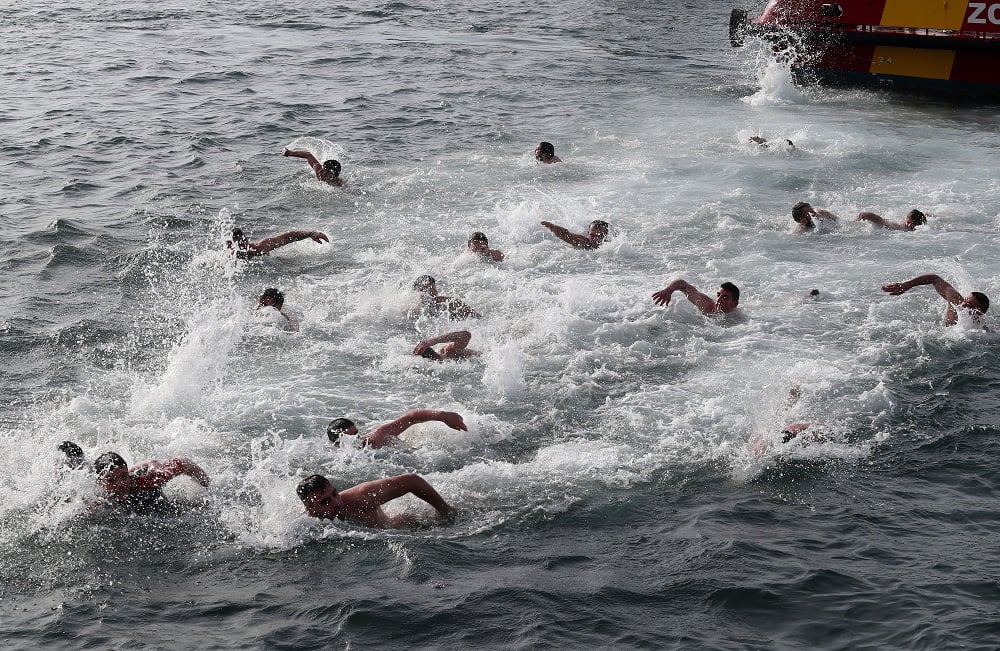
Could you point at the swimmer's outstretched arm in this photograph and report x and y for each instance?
(316, 166)
(383, 434)
(459, 339)
(701, 301)
(158, 473)
(943, 288)
(271, 243)
(373, 494)
(195, 472)
(876, 219)
(566, 236)
(870, 217)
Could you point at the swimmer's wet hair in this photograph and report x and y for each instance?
(108, 462)
(311, 484)
(984, 302)
(274, 295)
(337, 427)
(423, 282)
(919, 218)
(478, 237)
(600, 223)
(799, 211)
(71, 449)
(332, 166)
(430, 353)
(732, 289)
(547, 149)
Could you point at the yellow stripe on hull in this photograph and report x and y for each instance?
(912, 62)
(936, 14)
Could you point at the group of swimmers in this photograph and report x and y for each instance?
(139, 487)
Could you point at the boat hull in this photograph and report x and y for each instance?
(916, 49)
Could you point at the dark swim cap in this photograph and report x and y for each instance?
(108, 462)
(332, 166)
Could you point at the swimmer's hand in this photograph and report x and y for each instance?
(318, 237)
(453, 420)
(894, 289)
(662, 297)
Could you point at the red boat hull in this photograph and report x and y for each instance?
(950, 46)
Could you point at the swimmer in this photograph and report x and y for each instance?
(727, 298)
(793, 430)
(597, 232)
(433, 304)
(913, 219)
(975, 303)
(139, 487)
(546, 153)
(328, 171)
(272, 301)
(803, 213)
(385, 434)
(805, 432)
(762, 141)
(244, 249)
(480, 246)
(456, 349)
(363, 503)
(74, 455)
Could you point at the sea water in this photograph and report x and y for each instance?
(622, 482)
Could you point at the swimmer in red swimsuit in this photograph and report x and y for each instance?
(139, 487)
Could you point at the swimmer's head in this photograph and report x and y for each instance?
(801, 213)
(915, 218)
(598, 230)
(431, 354)
(479, 236)
(332, 167)
(984, 302)
(272, 297)
(733, 290)
(425, 284)
(340, 427)
(73, 452)
(107, 462)
(112, 472)
(239, 239)
(319, 497)
(311, 484)
(544, 151)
